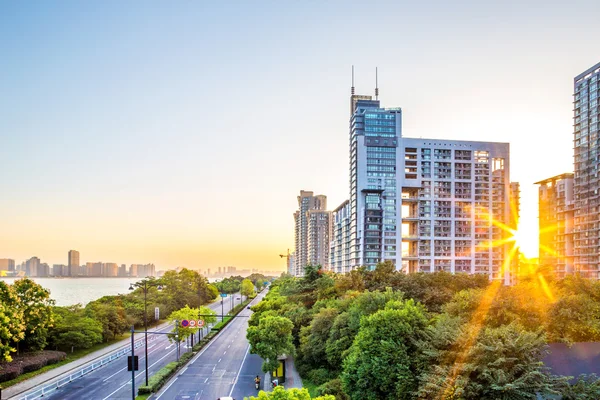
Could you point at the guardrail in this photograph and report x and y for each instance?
(58, 382)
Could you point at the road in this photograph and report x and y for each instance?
(223, 368)
(113, 381)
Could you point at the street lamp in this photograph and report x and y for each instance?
(144, 286)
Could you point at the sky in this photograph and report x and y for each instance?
(180, 133)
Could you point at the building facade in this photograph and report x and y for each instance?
(73, 263)
(586, 186)
(319, 236)
(32, 266)
(425, 204)
(307, 201)
(7, 264)
(556, 223)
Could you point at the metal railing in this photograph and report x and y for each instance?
(60, 381)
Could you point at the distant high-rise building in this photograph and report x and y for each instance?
(142, 270)
(7, 264)
(219, 270)
(307, 201)
(123, 270)
(43, 270)
(586, 184)
(291, 267)
(556, 220)
(319, 236)
(73, 263)
(32, 266)
(60, 270)
(426, 205)
(111, 269)
(95, 269)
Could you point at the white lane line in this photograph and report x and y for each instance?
(140, 374)
(240, 370)
(182, 371)
(229, 346)
(219, 360)
(225, 352)
(206, 380)
(168, 386)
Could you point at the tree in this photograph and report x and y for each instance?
(247, 288)
(574, 318)
(109, 311)
(271, 339)
(191, 314)
(73, 329)
(586, 387)
(12, 326)
(280, 393)
(36, 305)
(382, 362)
(493, 363)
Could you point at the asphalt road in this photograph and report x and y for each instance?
(113, 381)
(223, 368)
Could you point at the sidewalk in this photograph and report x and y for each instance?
(30, 383)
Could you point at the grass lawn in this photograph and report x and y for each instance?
(70, 357)
(142, 396)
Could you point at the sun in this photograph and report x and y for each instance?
(527, 241)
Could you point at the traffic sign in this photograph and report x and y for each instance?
(134, 365)
(200, 323)
(192, 323)
(156, 313)
(223, 294)
(185, 323)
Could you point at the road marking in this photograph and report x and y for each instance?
(225, 352)
(140, 374)
(219, 360)
(168, 386)
(206, 380)
(229, 346)
(240, 370)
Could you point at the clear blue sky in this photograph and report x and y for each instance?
(180, 133)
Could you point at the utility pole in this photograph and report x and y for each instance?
(132, 366)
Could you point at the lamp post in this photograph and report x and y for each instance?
(144, 286)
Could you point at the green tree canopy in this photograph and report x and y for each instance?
(73, 329)
(12, 325)
(190, 314)
(247, 288)
(271, 339)
(280, 393)
(382, 362)
(36, 305)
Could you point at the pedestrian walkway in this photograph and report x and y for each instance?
(38, 380)
(292, 377)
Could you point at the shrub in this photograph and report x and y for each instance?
(333, 387)
(319, 376)
(10, 371)
(159, 378)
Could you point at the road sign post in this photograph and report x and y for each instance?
(223, 295)
(156, 313)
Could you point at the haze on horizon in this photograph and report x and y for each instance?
(181, 134)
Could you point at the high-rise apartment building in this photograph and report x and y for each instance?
(73, 263)
(307, 201)
(60, 270)
(7, 264)
(318, 238)
(425, 204)
(142, 270)
(111, 269)
(556, 219)
(32, 266)
(586, 186)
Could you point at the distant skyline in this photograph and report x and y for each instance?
(180, 134)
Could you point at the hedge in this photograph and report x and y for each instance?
(159, 378)
(28, 363)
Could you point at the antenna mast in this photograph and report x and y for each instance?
(376, 86)
(352, 88)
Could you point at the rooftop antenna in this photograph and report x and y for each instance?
(376, 86)
(352, 88)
